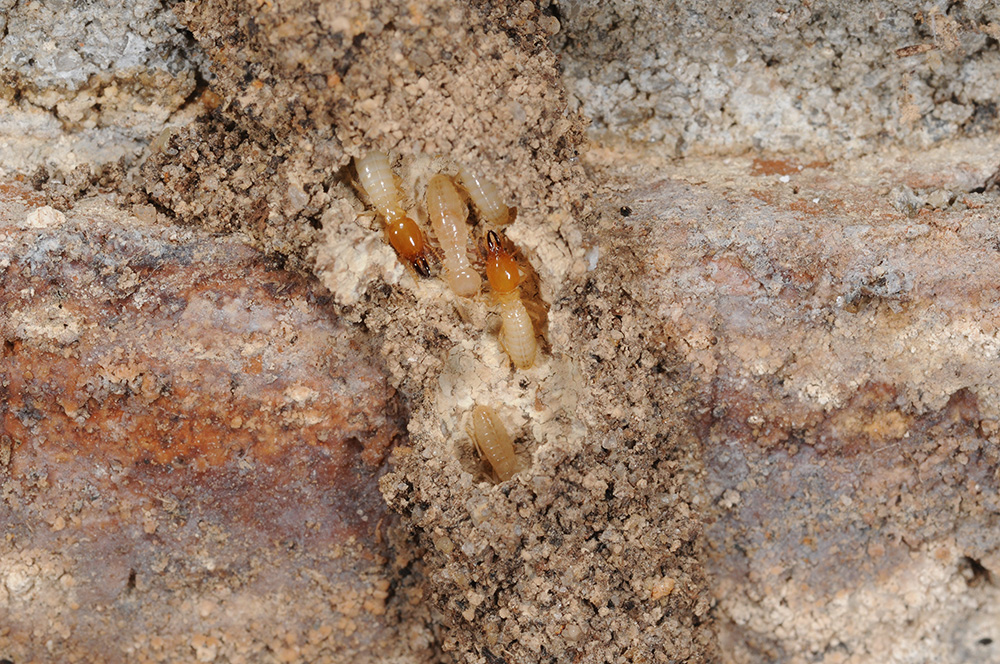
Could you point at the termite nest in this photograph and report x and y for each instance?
(458, 253)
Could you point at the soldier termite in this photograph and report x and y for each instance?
(493, 442)
(517, 332)
(448, 213)
(376, 178)
(485, 197)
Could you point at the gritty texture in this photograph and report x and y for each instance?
(842, 319)
(431, 79)
(826, 77)
(590, 553)
(762, 423)
(88, 83)
(502, 563)
(431, 84)
(202, 412)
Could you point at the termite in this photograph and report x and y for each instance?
(493, 442)
(517, 333)
(375, 175)
(448, 213)
(485, 197)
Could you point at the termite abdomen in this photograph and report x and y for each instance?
(484, 196)
(376, 178)
(448, 215)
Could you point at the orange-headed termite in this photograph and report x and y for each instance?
(448, 213)
(375, 175)
(485, 197)
(493, 442)
(517, 335)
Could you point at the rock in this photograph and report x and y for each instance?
(846, 353)
(827, 77)
(185, 425)
(89, 83)
(762, 424)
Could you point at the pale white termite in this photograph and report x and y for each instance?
(376, 178)
(493, 442)
(485, 197)
(448, 213)
(517, 332)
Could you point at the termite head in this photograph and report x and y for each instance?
(405, 237)
(501, 268)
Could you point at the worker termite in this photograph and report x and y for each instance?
(492, 442)
(517, 333)
(448, 213)
(376, 178)
(485, 197)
